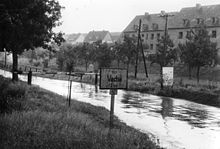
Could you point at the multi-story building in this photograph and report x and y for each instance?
(179, 25)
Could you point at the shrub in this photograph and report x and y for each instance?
(12, 95)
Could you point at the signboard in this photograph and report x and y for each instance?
(113, 78)
(167, 76)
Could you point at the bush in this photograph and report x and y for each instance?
(12, 95)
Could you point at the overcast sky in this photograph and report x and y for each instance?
(82, 16)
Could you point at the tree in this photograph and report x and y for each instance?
(198, 50)
(102, 54)
(67, 57)
(30, 24)
(127, 50)
(85, 53)
(165, 54)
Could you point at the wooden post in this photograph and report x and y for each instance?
(29, 77)
(70, 89)
(113, 92)
(96, 79)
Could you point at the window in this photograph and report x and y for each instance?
(188, 34)
(155, 26)
(185, 22)
(200, 21)
(215, 20)
(152, 36)
(158, 35)
(180, 35)
(213, 34)
(135, 27)
(142, 35)
(144, 27)
(151, 46)
(146, 37)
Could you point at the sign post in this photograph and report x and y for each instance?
(113, 92)
(113, 79)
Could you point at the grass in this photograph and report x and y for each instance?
(45, 121)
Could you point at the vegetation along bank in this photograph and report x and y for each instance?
(32, 117)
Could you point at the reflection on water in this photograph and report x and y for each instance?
(176, 123)
(167, 107)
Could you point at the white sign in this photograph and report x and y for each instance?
(113, 78)
(167, 76)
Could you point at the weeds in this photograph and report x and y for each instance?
(47, 122)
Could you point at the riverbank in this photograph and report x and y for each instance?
(206, 93)
(32, 117)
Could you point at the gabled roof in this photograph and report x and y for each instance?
(71, 37)
(81, 38)
(115, 36)
(192, 13)
(93, 36)
(176, 21)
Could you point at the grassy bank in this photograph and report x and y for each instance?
(32, 117)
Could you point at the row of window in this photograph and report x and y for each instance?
(213, 34)
(180, 35)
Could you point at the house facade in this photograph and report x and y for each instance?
(94, 36)
(179, 25)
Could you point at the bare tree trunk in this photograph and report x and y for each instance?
(198, 73)
(86, 65)
(161, 77)
(128, 65)
(118, 63)
(190, 71)
(15, 66)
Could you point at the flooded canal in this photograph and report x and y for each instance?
(173, 123)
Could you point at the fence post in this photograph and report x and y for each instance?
(96, 78)
(29, 77)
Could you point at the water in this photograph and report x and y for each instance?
(173, 123)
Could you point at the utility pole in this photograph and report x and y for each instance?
(139, 42)
(165, 15)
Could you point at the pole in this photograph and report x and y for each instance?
(29, 77)
(145, 65)
(70, 89)
(5, 57)
(165, 44)
(166, 15)
(113, 92)
(137, 49)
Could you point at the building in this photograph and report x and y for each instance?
(75, 38)
(94, 36)
(115, 36)
(179, 25)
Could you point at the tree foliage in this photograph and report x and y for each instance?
(103, 54)
(126, 50)
(29, 25)
(198, 50)
(67, 57)
(165, 54)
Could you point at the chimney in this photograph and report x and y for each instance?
(163, 12)
(198, 6)
(147, 16)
